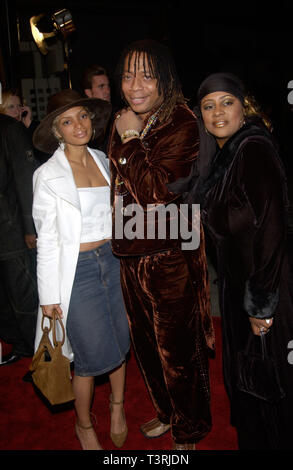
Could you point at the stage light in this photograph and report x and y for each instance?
(46, 29)
(41, 37)
(63, 22)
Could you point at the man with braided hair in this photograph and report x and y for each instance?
(154, 142)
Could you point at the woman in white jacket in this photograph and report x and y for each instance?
(78, 276)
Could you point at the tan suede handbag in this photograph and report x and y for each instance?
(50, 369)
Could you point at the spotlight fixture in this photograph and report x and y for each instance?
(63, 22)
(38, 29)
(46, 29)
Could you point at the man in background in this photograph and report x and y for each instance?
(18, 289)
(96, 84)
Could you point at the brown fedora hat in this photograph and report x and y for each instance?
(44, 138)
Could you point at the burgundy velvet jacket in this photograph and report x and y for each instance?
(140, 172)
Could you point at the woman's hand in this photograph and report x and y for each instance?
(48, 310)
(27, 119)
(31, 241)
(259, 326)
(127, 120)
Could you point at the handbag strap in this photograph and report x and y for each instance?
(52, 327)
(263, 344)
(50, 323)
(54, 320)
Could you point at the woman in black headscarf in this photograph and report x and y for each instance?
(241, 186)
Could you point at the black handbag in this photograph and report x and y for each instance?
(258, 373)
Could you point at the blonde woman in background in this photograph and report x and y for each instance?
(12, 106)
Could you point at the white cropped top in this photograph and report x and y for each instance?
(96, 213)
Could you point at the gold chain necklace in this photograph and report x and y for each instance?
(150, 122)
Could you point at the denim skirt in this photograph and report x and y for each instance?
(97, 325)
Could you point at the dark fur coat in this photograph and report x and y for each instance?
(244, 201)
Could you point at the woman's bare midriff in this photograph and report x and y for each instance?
(92, 245)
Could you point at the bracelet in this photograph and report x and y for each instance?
(129, 133)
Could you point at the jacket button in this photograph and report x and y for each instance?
(122, 160)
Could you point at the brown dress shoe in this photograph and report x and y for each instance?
(154, 428)
(185, 446)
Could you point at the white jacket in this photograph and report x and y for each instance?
(57, 217)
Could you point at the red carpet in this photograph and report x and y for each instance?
(28, 424)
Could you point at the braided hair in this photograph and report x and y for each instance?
(161, 67)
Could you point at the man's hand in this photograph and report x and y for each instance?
(127, 120)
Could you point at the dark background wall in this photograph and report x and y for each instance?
(250, 39)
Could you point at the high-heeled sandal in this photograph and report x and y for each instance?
(118, 439)
(79, 426)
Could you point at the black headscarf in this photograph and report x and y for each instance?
(226, 82)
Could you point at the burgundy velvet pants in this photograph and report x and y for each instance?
(162, 300)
